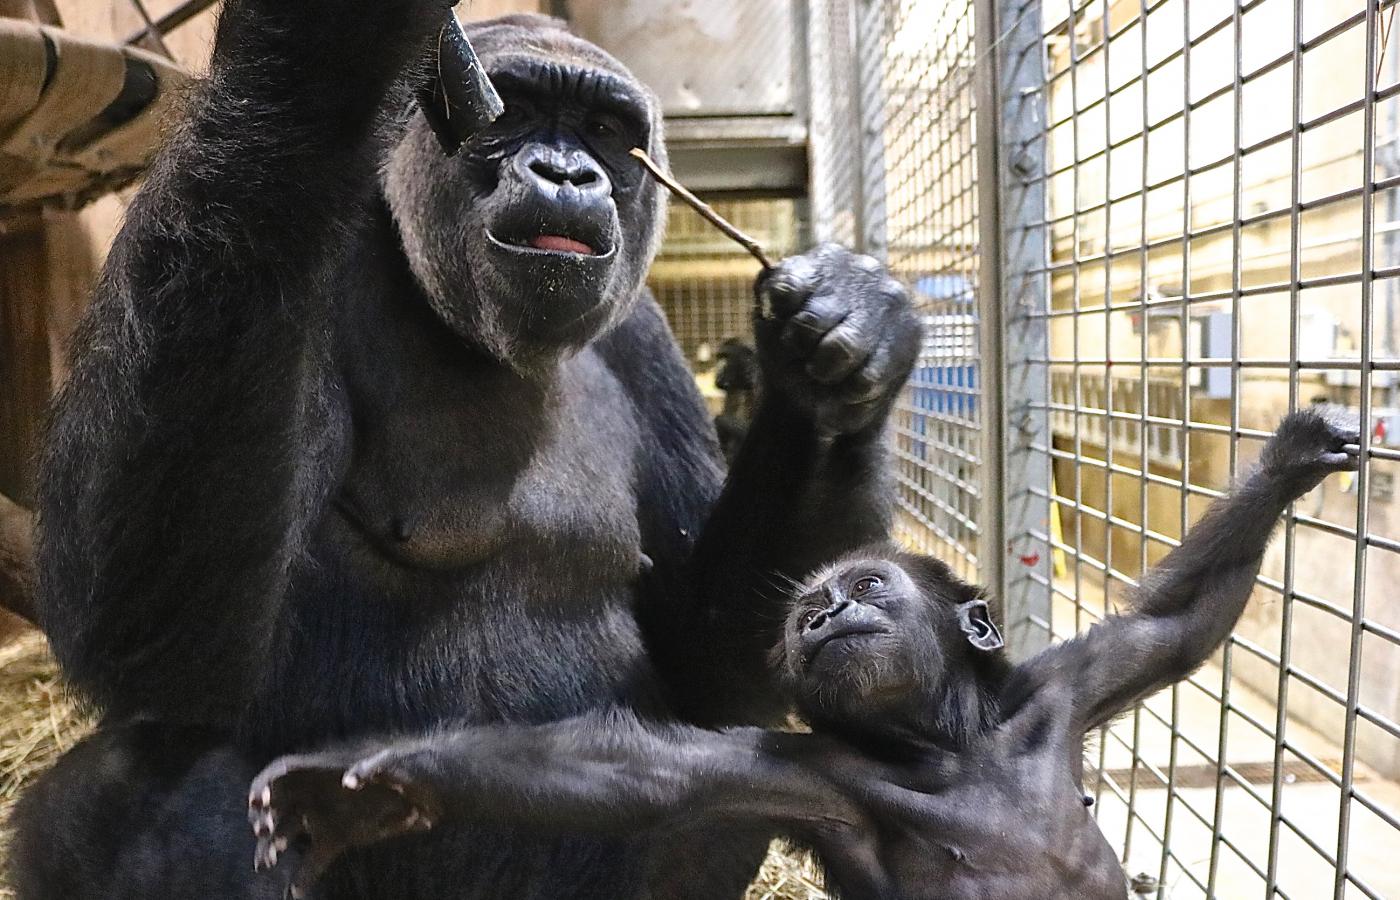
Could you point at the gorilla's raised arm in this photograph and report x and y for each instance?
(1188, 604)
(837, 338)
(183, 459)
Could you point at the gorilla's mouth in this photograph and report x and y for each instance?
(842, 635)
(554, 245)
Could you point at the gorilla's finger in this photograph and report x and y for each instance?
(271, 848)
(851, 417)
(866, 384)
(844, 349)
(884, 371)
(785, 289)
(260, 791)
(807, 327)
(378, 768)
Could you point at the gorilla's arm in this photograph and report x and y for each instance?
(603, 773)
(836, 338)
(181, 469)
(1188, 604)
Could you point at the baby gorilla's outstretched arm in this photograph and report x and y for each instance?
(1188, 604)
(606, 773)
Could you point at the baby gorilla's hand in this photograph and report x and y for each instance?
(314, 807)
(1309, 445)
(837, 337)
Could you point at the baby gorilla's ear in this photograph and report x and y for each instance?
(978, 627)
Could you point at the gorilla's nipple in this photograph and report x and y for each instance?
(401, 529)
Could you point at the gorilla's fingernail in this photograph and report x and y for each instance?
(351, 781)
(279, 844)
(267, 795)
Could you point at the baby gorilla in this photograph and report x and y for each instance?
(936, 768)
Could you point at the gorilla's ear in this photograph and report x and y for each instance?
(978, 627)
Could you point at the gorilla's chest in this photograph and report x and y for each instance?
(479, 561)
(447, 473)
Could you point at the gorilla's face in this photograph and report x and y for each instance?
(537, 236)
(859, 642)
(867, 644)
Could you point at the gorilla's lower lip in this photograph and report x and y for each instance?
(552, 245)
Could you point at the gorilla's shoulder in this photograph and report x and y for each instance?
(642, 346)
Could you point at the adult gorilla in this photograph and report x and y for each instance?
(361, 439)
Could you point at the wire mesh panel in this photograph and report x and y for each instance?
(1222, 183)
(917, 208)
(704, 281)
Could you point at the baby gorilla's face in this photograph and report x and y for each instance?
(861, 641)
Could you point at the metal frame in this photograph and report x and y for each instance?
(158, 28)
(1014, 246)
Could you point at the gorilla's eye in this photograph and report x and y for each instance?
(866, 585)
(603, 125)
(808, 616)
(517, 113)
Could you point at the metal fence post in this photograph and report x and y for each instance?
(1011, 165)
(991, 544)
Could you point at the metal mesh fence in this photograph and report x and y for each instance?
(1214, 189)
(1219, 218)
(704, 281)
(915, 205)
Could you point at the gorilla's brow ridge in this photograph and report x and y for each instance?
(579, 81)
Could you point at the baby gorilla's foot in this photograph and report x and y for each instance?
(320, 805)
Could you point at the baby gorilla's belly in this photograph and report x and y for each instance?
(1013, 834)
(1013, 866)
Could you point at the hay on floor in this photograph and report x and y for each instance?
(38, 722)
(787, 874)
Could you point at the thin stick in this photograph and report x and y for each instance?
(703, 208)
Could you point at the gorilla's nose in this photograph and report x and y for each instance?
(819, 621)
(556, 167)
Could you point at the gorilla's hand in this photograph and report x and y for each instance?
(309, 809)
(837, 337)
(1308, 446)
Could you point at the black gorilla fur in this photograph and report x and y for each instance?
(939, 770)
(362, 439)
(737, 376)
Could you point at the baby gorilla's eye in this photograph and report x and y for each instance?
(866, 585)
(808, 617)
